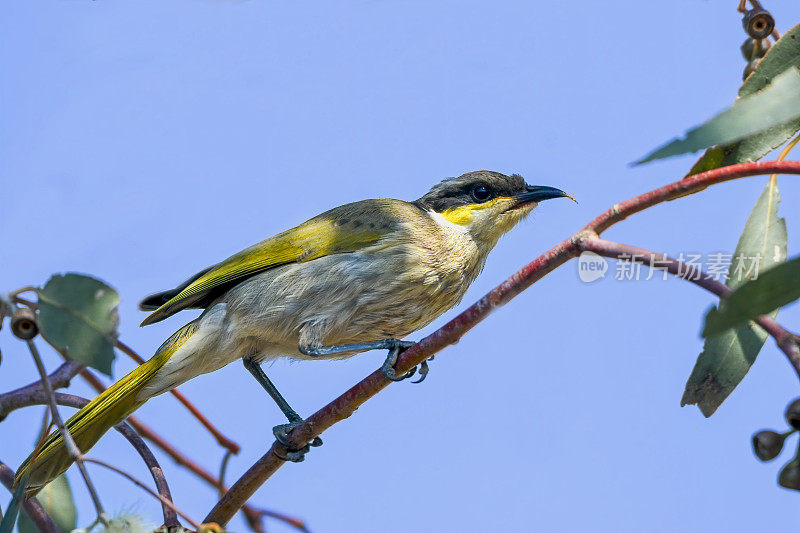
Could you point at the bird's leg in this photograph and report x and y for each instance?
(254, 368)
(395, 347)
(387, 368)
(281, 431)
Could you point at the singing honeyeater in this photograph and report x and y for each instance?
(358, 277)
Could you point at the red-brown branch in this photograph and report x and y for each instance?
(784, 339)
(221, 439)
(61, 377)
(346, 404)
(37, 513)
(252, 515)
(41, 397)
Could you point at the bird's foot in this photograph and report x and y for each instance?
(295, 455)
(423, 370)
(387, 369)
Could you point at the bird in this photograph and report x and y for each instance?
(359, 277)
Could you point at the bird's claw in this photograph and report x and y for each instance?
(389, 373)
(295, 455)
(387, 369)
(423, 370)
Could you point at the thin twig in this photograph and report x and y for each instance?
(252, 516)
(221, 439)
(299, 524)
(223, 469)
(144, 487)
(169, 509)
(27, 288)
(742, 7)
(70, 400)
(159, 441)
(687, 186)
(34, 509)
(346, 404)
(44, 431)
(254, 519)
(785, 152)
(69, 443)
(786, 340)
(59, 379)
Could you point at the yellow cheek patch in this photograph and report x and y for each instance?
(458, 215)
(463, 215)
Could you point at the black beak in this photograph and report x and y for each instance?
(537, 193)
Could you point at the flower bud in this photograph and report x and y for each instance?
(793, 414)
(789, 477)
(767, 444)
(755, 48)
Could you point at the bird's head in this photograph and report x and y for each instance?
(485, 203)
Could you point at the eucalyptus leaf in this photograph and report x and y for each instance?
(726, 358)
(773, 106)
(56, 498)
(771, 290)
(10, 518)
(78, 314)
(781, 56)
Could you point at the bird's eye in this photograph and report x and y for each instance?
(481, 193)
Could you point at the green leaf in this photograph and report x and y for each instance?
(771, 290)
(771, 107)
(783, 55)
(727, 357)
(78, 314)
(56, 498)
(7, 524)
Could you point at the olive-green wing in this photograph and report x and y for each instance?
(344, 229)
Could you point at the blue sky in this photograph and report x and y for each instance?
(143, 141)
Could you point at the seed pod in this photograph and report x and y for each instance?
(758, 23)
(789, 477)
(755, 48)
(23, 324)
(750, 68)
(767, 444)
(793, 414)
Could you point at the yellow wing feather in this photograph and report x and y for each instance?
(344, 229)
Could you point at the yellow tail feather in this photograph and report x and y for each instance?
(98, 416)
